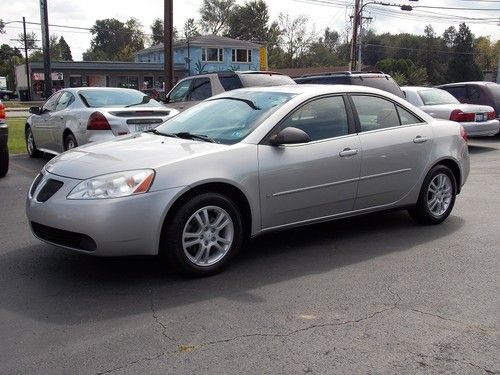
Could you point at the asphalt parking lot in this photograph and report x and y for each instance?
(371, 295)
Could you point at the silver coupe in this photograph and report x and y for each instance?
(247, 162)
(76, 116)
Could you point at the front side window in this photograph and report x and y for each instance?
(212, 54)
(50, 104)
(228, 119)
(321, 118)
(201, 90)
(375, 113)
(241, 55)
(65, 100)
(180, 92)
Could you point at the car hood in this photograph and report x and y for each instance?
(137, 151)
(466, 108)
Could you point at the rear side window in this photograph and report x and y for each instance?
(406, 117)
(265, 79)
(474, 93)
(458, 92)
(381, 83)
(375, 113)
(230, 82)
(201, 90)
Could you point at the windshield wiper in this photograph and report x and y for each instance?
(201, 137)
(145, 99)
(247, 101)
(154, 131)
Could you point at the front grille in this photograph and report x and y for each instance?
(35, 184)
(49, 189)
(63, 237)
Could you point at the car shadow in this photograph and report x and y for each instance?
(476, 149)
(62, 287)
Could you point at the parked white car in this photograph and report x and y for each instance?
(76, 116)
(477, 120)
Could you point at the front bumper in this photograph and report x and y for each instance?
(102, 227)
(481, 129)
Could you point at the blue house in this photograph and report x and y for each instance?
(208, 53)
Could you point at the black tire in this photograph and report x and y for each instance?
(422, 213)
(6, 97)
(172, 250)
(4, 161)
(33, 152)
(70, 142)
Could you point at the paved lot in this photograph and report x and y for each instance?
(370, 295)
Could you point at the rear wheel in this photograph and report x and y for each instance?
(70, 142)
(31, 145)
(6, 97)
(203, 236)
(4, 161)
(437, 196)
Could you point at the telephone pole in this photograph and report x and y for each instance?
(354, 39)
(26, 62)
(44, 15)
(168, 59)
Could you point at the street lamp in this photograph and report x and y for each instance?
(358, 12)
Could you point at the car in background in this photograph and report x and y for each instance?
(76, 116)
(477, 120)
(156, 94)
(4, 135)
(480, 92)
(376, 79)
(244, 163)
(192, 90)
(7, 94)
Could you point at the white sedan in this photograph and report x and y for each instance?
(76, 116)
(477, 120)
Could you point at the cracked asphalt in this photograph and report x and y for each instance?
(369, 295)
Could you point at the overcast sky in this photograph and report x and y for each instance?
(385, 19)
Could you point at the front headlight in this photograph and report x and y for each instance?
(114, 185)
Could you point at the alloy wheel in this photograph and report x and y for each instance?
(439, 194)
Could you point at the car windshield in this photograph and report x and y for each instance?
(116, 98)
(436, 97)
(227, 119)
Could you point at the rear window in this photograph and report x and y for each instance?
(436, 97)
(265, 79)
(116, 98)
(379, 82)
(230, 82)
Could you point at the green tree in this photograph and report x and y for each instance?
(275, 54)
(462, 66)
(54, 50)
(115, 40)
(157, 31)
(31, 39)
(215, 15)
(9, 58)
(449, 36)
(65, 51)
(295, 38)
(331, 39)
(249, 21)
(190, 29)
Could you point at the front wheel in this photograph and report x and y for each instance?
(203, 236)
(33, 152)
(437, 196)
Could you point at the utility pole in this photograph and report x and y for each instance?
(44, 15)
(354, 39)
(168, 59)
(26, 62)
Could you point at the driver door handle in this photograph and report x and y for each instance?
(419, 139)
(348, 152)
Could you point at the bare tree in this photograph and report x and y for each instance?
(215, 15)
(295, 37)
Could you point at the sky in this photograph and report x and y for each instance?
(321, 13)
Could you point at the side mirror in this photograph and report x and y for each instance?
(289, 136)
(35, 110)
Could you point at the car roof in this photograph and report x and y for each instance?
(418, 88)
(481, 83)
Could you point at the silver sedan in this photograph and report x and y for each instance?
(477, 120)
(244, 163)
(76, 116)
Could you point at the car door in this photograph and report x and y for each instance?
(304, 182)
(177, 98)
(396, 145)
(41, 125)
(58, 120)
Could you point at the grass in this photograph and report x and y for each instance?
(17, 104)
(16, 135)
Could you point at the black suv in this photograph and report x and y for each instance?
(378, 80)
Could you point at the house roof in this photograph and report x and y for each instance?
(103, 65)
(205, 41)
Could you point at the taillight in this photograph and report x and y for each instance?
(463, 133)
(492, 115)
(458, 116)
(97, 121)
(2, 111)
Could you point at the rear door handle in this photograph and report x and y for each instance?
(348, 152)
(420, 139)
